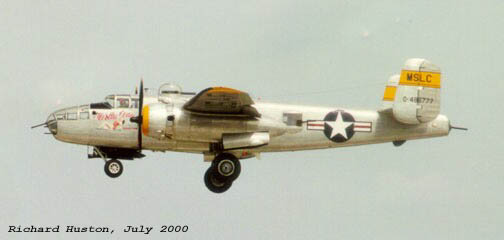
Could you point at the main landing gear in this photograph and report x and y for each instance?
(224, 170)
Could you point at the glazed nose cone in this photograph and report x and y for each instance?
(52, 124)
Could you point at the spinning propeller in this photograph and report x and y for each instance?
(139, 119)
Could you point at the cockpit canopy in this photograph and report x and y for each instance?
(117, 101)
(168, 91)
(166, 94)
(169, 88)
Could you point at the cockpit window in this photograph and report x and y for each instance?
(134, 103)
(60, 116)
(115, 101)
(102, 105)
(122, 102)
(110, 101)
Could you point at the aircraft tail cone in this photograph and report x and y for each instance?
(458, 128)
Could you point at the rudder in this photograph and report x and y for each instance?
(414, 96)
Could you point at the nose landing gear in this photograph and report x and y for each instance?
(220, 175)
(113, 168)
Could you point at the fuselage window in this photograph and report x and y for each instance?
(72, 116)
(84, 115)
(134, 103)
(293, 119)
(122, 103)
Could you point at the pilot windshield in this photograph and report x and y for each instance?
(110, 100)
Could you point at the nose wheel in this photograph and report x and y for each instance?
(220, 175)
(113, 168)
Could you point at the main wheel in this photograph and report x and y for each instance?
(227, 166)
(215, 183)
(113, 168)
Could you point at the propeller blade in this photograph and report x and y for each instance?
(140, 117)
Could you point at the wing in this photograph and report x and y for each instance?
(222, 101)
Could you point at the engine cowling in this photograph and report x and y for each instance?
(157, 120)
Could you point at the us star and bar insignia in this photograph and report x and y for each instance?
(339, 126)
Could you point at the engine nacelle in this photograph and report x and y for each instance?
(417, 98)
(157, 120)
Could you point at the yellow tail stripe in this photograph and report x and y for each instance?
(424, 79)
(389, 94)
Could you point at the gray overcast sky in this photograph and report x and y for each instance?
(62, 53)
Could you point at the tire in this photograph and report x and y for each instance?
(113, 168)
(221, 164)
(214, 183)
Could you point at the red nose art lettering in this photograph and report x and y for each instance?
(106, 116)
(124, 114)
(113, 116)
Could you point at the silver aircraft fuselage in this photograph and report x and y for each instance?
(226, 125)
(195, 133)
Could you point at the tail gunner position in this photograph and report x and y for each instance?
(225, 125)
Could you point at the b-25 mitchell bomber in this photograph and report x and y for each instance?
(225, 125)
